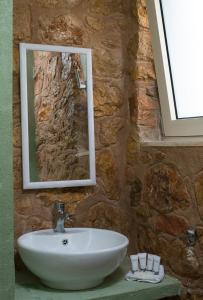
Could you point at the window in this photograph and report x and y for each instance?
(177, 38)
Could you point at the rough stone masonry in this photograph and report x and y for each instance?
(150, 194)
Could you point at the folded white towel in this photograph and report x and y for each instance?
(146, 276)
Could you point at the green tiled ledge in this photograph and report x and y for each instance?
(28, 287)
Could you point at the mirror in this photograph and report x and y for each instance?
(57, 116)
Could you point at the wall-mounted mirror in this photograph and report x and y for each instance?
(57, 116)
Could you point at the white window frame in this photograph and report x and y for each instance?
(171, 125)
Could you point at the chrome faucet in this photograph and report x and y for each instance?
(59, 217)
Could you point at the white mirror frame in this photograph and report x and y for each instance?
(27, 183)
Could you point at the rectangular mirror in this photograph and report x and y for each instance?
(57, 116)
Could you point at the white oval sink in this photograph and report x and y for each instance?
(78, 259)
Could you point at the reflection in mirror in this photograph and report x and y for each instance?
(57, 116)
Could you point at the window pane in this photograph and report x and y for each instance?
(183, 21)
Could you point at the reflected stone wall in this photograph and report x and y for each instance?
(60, 109)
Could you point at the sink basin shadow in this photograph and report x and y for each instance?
(78, 259)
(28, 280)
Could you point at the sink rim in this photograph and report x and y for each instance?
(21, 243)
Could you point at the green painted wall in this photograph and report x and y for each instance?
(6, 168)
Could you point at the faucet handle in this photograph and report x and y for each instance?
(70, 217)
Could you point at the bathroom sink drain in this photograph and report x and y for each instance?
(65, 242)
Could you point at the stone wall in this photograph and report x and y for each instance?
(106, 27)
(166, 182)
(151, 194)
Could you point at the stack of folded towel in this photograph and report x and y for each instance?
(146, 268)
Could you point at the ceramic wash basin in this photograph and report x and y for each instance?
(78, 259)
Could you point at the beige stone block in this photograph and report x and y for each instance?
(108, 98)
(152, 91)
(146, 157)
(146, 103)
(165, 190)
(21, 24)
(147, 240)
(23, 205)
(160, 156)
(199, 231)
(117, 25)
(147, 118)
(109, 130)
(133, 108)
(44, 213)
(48, 3)
(133, 147)
(144, 51)
(199, 192)
(143, 211)
(143, 110)
(143, 71)
(108, 173)
(103, 215)
(17, 136)
(201, 243)
(16, 115)
(69, 4)
(95, 23)
(16, 60)
(21, 226)
(140, 12)
(135, 189)
(111, 41)
(140, 46)
(197, 297)
(171, 224)
(17, 170)
(114, 32)
(16, 89)
(107, 63)
(62, 29)
(105, 7)
(71, 199)
(147, 133)
(37, 223)
(179, 257)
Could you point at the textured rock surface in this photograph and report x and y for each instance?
(164, 189)
(102, 26)
(103, 215)
(199, 192)
(166, 184)
(108, 172)
(108, 98)
(61, 30)
(151, 194)
(60, 114)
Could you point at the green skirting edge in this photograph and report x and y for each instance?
(28, 287)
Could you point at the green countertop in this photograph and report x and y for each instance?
(115, 287)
